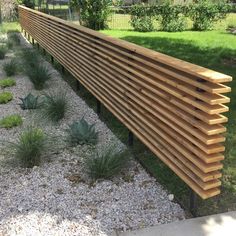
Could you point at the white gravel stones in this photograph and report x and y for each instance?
(57, 199)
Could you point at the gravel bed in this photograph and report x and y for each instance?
(57, 198)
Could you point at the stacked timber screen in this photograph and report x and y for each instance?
(172, 106)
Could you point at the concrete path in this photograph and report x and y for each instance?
(214, 225)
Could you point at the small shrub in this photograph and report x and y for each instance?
(7, 83)
(205, 12)
(55, 106)
(30, 58)
(39, 75)
(9, 44)
(28, 3)
(171, 17)
(5, 97)
(14, 37)
(10, 67)
(3, 51)
(141, 18)
(29, 102)
(11, 121)
(82, 133)
(30, 147)
(93, 13)
(107, 164)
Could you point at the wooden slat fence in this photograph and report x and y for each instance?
(172, 106)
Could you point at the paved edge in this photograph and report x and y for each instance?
(213, 225)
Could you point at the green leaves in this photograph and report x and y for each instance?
(82, 133)
(29, 147)
(54, 106)
(10, 67)
(172, 17)
(29, 102)
(205, 12)
(142, 18)
(93, 13)
(11, 121)
(7, 83)
(3, 51)
(39, 75)
(106, 164)
(5, 97)
(13, 37)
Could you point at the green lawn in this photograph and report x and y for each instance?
(9, 26)
(213, 49)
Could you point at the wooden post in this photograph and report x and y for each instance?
(193, 203)
(130, 139)
(98, 107)
(52, 59)
(38, 46)
(77, 85)
(62, 69)
(33, 41)
(44, 52)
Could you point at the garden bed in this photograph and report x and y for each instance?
(58, 197)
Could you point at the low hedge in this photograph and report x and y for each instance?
(173, 18)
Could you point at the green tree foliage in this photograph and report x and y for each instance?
(205, 12)
(141, 18)
(93, 13)
(172, 17)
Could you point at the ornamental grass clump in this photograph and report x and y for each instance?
(11, 121)
(30, 58)
(14, 37)
(106, 164)
(10, 67)
(30, 147)
(7, 83)
(5, 97)
(3, 51)
(80, 132)
(9, 44)
(29, 102)
(39, 75)
(54, 106)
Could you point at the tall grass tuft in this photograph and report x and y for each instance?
(30, 58)
(9, 44)
(55, 106)
(38, 75)
(14, 37)
(30, 147)
(3, 51)
(10, 67)
(106, 164)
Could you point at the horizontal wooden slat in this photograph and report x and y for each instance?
(172, 106)
(207, 149)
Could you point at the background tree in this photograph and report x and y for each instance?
(8, 10)
(93, 13)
